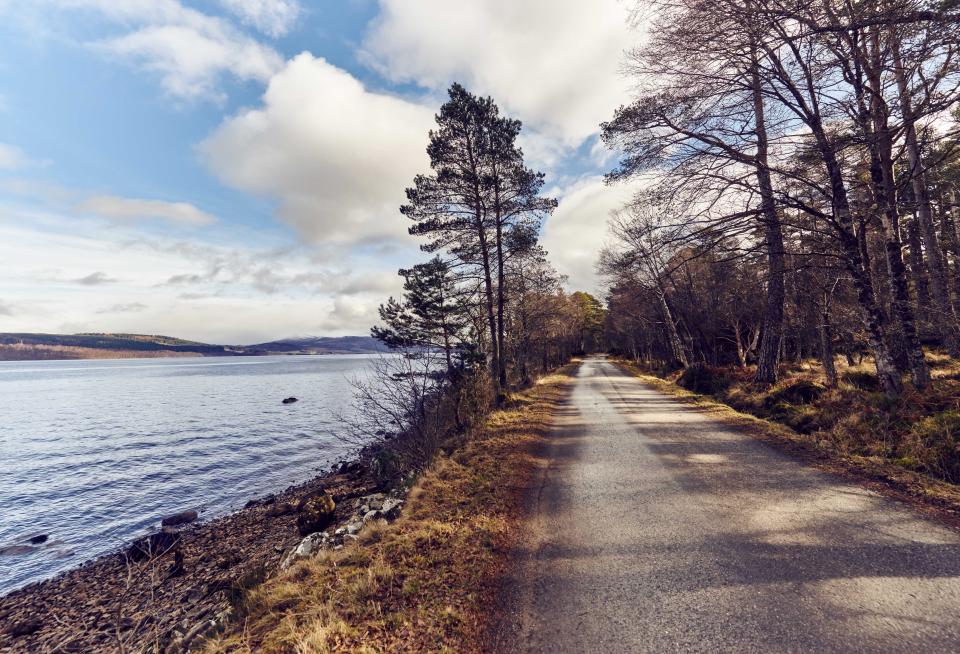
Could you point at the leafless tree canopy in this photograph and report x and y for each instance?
(805, 167)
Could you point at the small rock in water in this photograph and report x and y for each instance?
(39, 539)
(182, 518)
(289, 400)
(15, 550)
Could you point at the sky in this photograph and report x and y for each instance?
(230, 171)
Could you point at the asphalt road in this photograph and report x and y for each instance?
(656, 529)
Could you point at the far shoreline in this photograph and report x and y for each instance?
(117, 355)
(35, 346)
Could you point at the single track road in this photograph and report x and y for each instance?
(657, 529)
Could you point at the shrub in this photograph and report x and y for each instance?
(934, 444)
(668, 368)
(798, 418)
(413, 412)
(802, 391)
(701, 378)
(865, 381)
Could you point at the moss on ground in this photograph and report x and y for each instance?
(427, 582)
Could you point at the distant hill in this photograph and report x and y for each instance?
(323, 345)
(30, 346)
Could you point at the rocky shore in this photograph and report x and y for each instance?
(165, 591)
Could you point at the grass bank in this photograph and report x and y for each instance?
(906, 448)
(427, 582)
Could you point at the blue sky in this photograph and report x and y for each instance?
(230, 170)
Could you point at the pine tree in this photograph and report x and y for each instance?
(431, 316)
(480, 205)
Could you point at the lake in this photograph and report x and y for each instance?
(96, 452)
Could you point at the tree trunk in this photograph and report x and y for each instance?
(945, 317)
(950, 220)
(918, 272)
(887, 371)
(673, 336)
(881, 172)
(848, 349)
(769, 357)
(491, 319)
(826, 342)
(487, 278)
(741, 348)
(501, 283)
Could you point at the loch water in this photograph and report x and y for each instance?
(94, 453)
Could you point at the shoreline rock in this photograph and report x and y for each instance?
(387, 510)
(315, 513)
(153, 546)
(110, 603)
(177, 519)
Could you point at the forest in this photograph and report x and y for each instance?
(792, 245)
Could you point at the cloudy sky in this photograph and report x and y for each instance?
(230, 170)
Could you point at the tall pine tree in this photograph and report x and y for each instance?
(479, 205)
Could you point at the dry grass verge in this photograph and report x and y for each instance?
(823, 449)
(427, 582)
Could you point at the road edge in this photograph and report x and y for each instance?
(932, 498)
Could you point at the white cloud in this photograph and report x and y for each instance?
(128, 307)
(95, 279)
(555, 63)
(272, 17)
(116, 208)
(232, 293)
(335, 155)
(190, 50)
(11, 157)
(577, 230)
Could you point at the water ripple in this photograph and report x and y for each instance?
(95, 452)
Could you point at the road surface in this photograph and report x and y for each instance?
(656, 529)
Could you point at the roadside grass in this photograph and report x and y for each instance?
(908, 448)
(428, 582)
